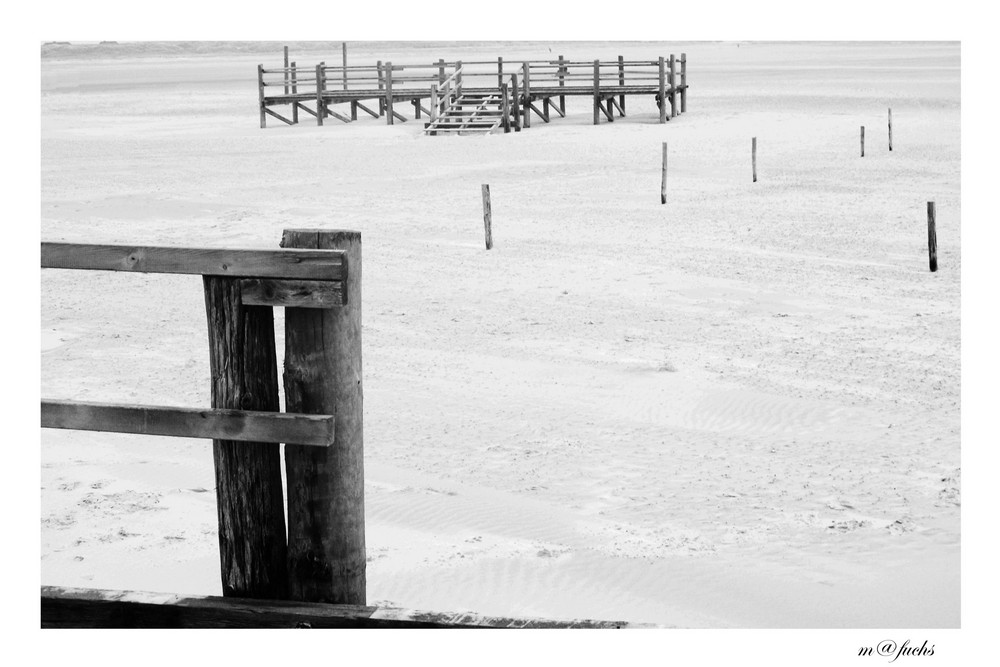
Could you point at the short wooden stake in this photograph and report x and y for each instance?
(323, 375)
(890, 129)
(862, 141)
(487, 216)
(931, 236)
(249, 503)
(753, 150)
(663, 176)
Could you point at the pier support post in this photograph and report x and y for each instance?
(597, 92)
(295, 91)
(621, 82)
(527, 95)
(260, 96)
(684, 83)
(388, 94)
(663, 91)
(673, 86)
(320, 86)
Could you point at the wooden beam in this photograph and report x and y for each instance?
(284, 263)
(337, 115)
(292, 293)
(278, 116)
(366, 109)
(239, 425)
(92, 608)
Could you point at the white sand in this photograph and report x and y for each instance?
(737, 410)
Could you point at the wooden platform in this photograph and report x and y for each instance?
(444, 91)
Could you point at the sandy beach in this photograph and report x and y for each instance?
(740, 409)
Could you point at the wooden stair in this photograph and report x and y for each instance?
(469, 114)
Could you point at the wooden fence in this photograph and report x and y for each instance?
(314, 574)
(536, 87)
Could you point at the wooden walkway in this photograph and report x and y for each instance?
(469, 97)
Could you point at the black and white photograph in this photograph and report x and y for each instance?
(399, 331)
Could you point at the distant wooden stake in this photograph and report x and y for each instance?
(487, 216)
(754, 159)
(862, 141)
(890, 129)
(931, 236)
(663, 179)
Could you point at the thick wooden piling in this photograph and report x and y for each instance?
(753, 151)
(663, 91)
(526, 82)
(285, 77)
(381, 98)
(621, 82)
(562, 84)
(249, 504)
(323, 375)
(514, 97)
(389, 118)
(931, 236)
(673, 86)
(344, 62)
(295, 90)
(260, 96)
(663, 176)
(320, 107)
(597, 92)
(499, 72)
(505, 107)
(684, 82)
(487, 216)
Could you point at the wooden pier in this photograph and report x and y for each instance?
(475, 97)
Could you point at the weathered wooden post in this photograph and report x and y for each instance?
(663, 178)
(673, 86)
(515, 99)
(621, 82)
(527, 94)
(684, 83)
(389, 120)
(434, 104)
(295, 91)
(499, 72)
(285, 77)
(250, 508)
(890, 129)
(260, 95)
(323, 375)
(344, 61)
(862, 141)
(320, 111)
(597, 92)
(505, 101)
(487, 216)
(753, 150)
(663, 91)
(931, 236)
(562, 84)
(381, 98)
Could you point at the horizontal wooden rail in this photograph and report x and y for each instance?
(283, 263)
(292, 293)
(216, 424)
(90, 608)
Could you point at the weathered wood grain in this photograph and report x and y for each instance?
(292, 293)
(91, 608)
(241, 425)
(250, 506)
(323, 375)
(291, 264)
(932, 236)
(487, 216)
